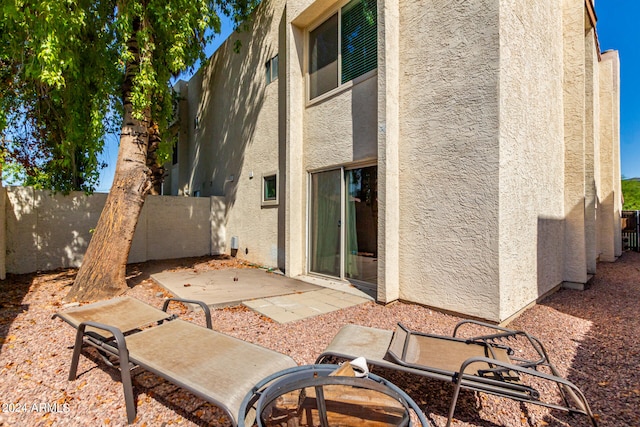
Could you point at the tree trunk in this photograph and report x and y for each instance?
(103, 271)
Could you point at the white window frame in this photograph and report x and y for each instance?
(264, 201)
(271, 76)
(341, 86)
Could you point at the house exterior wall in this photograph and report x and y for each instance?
(389, 167)
(531, 152)
(610, 193)
(573, 20)
(449, 155)
(592, 148)
(493, 128)
(235, 137)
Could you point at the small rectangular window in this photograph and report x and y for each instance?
(272, 69)
(270, 189)
(174, 153)
(359, 32)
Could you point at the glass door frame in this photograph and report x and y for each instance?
(343, 229)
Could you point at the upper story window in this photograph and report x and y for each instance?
(343, 47)
(272, 69)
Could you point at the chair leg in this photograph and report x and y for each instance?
(125, 377)
(454, 400)
(77, 349)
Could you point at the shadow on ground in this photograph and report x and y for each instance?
(605, 365)
(12, 294)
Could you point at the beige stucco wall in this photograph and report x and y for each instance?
(573, 20)
(609, 194)
(389, 212)
(531, 152)
(172, 227)
(46, 231)
(239, 137)
(592, 148)
(448, 155)
(486, 127)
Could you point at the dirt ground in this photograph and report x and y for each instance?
(592, 337)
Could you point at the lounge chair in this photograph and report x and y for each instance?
(327, 395)
(483, 363)
(215, 367)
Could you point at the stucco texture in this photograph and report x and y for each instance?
(449, 150)
(235, 135)
(531, 152)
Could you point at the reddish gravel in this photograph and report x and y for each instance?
(592, 337)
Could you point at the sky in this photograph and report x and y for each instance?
(110, 154)
(617, 29)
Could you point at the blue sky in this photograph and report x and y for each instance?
(617, 29)
(110, 154)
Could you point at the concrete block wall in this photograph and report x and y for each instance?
(46, 231)
(172, 227)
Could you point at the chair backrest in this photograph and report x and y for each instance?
(310, 395)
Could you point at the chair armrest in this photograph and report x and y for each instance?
(479, 323)
(505, 334)
(121, 344)
(566, 387)
(205, 307)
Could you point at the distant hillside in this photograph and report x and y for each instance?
(631, 194)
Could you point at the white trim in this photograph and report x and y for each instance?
(270, 202)
(337, 9)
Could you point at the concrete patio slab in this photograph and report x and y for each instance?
(280, 298)
(220, 288)
(288, 308)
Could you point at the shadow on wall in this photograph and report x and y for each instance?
(231, 97)
(47, 231)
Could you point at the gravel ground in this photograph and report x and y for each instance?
(592, 337)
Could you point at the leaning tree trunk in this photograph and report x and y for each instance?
(103, 271)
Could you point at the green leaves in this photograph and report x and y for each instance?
(62, 75)
(631, 194)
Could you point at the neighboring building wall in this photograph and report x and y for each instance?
(46, 231)
(531, 183)
(592, 148)
(234, 136)
(610, 194)
(449, 155)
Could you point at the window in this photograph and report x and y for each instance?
(270, 189)
(343, 47)
(272, 69)
(174, 153)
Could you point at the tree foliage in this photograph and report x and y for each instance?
(62, 70)
(631, 194)
(68, 65)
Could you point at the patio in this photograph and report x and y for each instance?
(592, 337)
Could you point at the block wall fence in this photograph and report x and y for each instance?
(41, 231)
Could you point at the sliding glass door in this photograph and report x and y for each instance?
(343, 224)
(325, 222)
